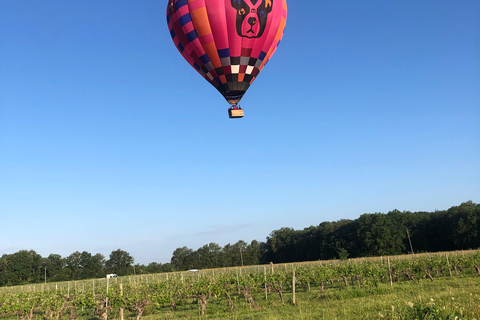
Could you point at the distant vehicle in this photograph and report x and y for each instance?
(193, 270)
(111, 275)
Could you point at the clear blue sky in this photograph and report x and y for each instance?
(109, 139)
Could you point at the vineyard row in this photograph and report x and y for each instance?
(167, 291)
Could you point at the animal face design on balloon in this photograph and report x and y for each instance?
(252, 16)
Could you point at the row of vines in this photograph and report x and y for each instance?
(109, 298)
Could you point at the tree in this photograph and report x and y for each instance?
(307, 246)
(330, 238)
(4, 270)
(154, 267)
(465, 225)
(233, 255)
(73, 262)
(84, 265)
(97, 266)
(22, 267)
(253, 253)
(227, 256)
(120, 262)
(381, 234)
(91, 266)
(182, 258)
(281, 245)
(208, 256)
(55, 266)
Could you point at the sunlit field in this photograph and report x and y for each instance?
(437, 286)
(455, 298)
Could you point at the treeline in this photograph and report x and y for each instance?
(376, 234)
(29, 267)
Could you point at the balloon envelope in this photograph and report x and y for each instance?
(227, 41)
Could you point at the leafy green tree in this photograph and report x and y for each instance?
(120, 262)
(4, 271)
(73, 265)
(23, 267)
(234, 255)
(281, 244)
(238, 250)
(182, 258)
(307, 245)
(55, 266)
(91, 266)
(167, 267)
(85, 271)
(332, 237)
(155, 267)
(253, 253)
(227, 257)
(97, 266)
(379, 235)
(209, 256)
(465, 225)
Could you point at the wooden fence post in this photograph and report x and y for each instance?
(265, 278)
(448, 264)
(389, 271)
(293, 286)
(238, 283)
(106, 302)
(121, 308)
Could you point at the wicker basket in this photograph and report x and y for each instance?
(235, 113)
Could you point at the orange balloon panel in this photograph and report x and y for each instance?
(227, 41)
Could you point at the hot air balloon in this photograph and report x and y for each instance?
(227, 41)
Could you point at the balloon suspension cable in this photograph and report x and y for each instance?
(235, 106)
